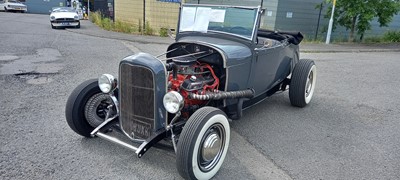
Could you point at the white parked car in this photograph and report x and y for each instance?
(12, 5)
(64, 17)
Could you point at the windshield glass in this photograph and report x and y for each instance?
(239, 21)
(63, 9)
(13, 1)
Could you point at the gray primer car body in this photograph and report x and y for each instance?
(211, 73)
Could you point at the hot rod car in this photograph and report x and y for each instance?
(220, 64)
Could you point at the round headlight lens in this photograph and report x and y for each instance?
(173, 102)
(52, 17)
(76, 17)
(107, 83)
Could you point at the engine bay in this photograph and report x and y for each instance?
(194, 69)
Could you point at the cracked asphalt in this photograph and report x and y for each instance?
(349, 131)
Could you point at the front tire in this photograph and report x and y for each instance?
(78, 26)
(86, 107)
(302, 84)
(203, 144)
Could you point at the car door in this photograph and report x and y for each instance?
(270, 66)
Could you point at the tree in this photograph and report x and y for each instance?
(356, 15)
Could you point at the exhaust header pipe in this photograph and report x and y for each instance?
(249, 93)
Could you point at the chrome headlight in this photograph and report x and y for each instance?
(173, 102)
(107, 83)
(76, 17)
(52, 17)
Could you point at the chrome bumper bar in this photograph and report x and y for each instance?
(117, 141)
(144, 146)
(96, 131)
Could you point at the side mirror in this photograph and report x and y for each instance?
(170, 34)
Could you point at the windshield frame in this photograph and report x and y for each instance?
(254, 28)
(56, 9)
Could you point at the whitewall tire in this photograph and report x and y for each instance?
(302, 84)
(203, 144)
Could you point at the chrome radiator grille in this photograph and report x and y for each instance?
(61, 20)
(136, 87)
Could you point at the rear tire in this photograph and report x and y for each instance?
(302, 84)
(203, 144)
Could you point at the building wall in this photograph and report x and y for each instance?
(101, 5)
(43, 6)
(269, 16)
(295, 15)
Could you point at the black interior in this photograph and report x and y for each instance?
(292, 37)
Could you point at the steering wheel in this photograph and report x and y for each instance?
(240, 30)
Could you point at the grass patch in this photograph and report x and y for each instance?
(147, 29)
(373, 39)
(163, 32)
(107, 24)
(120, 26)
(95, 17)
(387, 37)
(140, 28)
(391, 36)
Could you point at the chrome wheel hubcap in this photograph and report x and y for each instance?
(309, 83)
(211, 147)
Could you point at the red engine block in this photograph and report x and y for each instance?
(176, 85)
